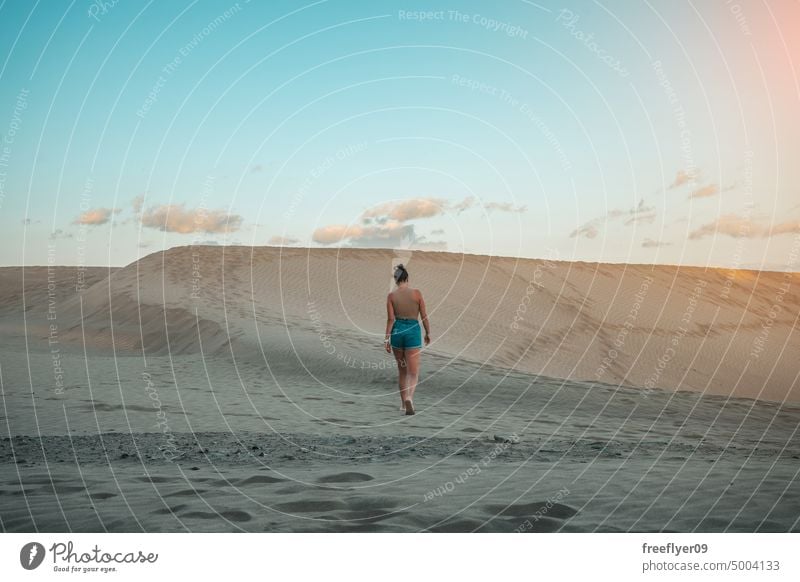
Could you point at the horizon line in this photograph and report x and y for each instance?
(388, 249)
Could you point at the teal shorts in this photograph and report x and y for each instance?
(406, 334)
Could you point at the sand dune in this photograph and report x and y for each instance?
(714, 331)
(246, 389)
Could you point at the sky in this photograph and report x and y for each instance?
(637, 132)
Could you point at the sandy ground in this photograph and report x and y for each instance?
(238, 388)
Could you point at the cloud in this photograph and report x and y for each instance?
(58, 233)
(389, 233)
(710, 190)
(177, 218)
(465, 204)
(438, 231)
(744, 227)
(588, 230)
(282, 241)
(95, 216)
(681, 177)
(406, 210)
(471, 202)
(705, 191)
(643, 218)
(640, 214)
(504, 207)
(387, 224)
(649, 243)
(417, 208)
(256, 168)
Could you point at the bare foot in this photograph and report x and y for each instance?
(409, 408)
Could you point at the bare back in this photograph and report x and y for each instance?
(405, 302)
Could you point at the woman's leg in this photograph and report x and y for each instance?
(412, 371)
(402, 376)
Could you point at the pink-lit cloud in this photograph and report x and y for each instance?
(406, 210)
(705, 191)
(681, 178)
(388, 224)
(177, 218)
(362, 234)
(95, 216)
(744, 227)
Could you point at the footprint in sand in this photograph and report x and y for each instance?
(230, 515)
(102, 495)
(62, 489)
(310, 506)
(155, 479)
(258, 480)
(538, 509)
(345, 478)
(382, 503)
(168, 510)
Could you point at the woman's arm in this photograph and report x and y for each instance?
(389, 322)
(425, 323)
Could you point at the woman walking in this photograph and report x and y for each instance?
(404, 307)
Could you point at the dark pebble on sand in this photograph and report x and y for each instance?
(194, 468)
(124, 456)
(21, 461)
(254, 448)
(289, 457)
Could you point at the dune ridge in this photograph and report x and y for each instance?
(710, 330)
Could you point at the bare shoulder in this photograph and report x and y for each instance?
(417, 294)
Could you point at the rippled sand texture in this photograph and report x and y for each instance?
(238, 388)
